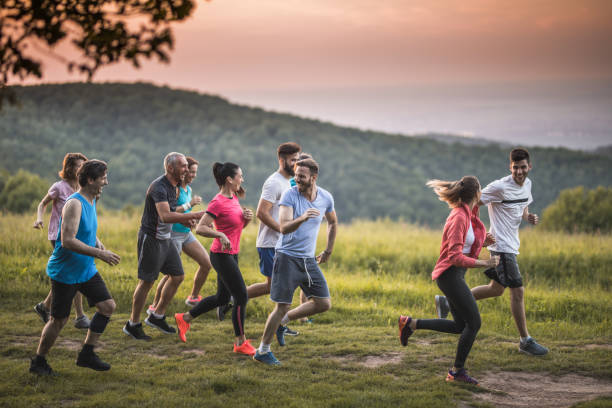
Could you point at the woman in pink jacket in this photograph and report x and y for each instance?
(463, 237)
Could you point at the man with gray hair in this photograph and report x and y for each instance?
(156, 253)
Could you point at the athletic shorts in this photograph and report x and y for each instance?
(94, 290)
(266, 261)
(180, 239)
(290, 272)
(506, 273)
(155, 256)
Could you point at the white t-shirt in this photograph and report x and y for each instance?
(272, 190)
(469, 240)
(506, 202)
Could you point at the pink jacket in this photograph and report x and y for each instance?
(453, 239)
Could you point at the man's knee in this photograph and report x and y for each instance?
(322, 305)
(282, 308)
(106, 307)
(177, 279)
(496, 288)
(58, 322)
(517, 294)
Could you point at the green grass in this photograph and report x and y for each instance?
(378, 270)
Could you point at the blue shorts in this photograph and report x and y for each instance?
(266, 260)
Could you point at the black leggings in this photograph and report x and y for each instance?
(464, 309)
(229, 283)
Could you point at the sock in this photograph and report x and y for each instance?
(87, 348)
(264, 348)
(157, 316)
(524, 339)
(132, 324)
(285, 319)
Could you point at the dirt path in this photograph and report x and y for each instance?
(516, 389)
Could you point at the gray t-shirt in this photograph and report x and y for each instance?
(506, 202)
(272, 190)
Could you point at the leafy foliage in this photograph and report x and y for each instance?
(103, 32)
(579, 210)
(20, 192)
(371, 174)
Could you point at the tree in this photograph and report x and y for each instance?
(22, 192)
(103, 31)
(580, 210)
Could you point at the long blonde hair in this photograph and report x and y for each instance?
(456, 192)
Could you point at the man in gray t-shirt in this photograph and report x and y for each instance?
(267, 213)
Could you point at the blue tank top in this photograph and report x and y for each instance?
(68, 266)
(184, 197)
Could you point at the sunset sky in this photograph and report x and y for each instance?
(254, 50)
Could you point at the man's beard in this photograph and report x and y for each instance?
(303, 187)
(289, 169)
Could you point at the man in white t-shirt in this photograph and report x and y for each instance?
(267, 213)
(507, 200)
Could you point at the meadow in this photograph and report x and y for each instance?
(349, 356)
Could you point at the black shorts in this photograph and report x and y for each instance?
(94, 290)
(506, 273)
(155, 256)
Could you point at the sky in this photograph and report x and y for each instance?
(253, 51)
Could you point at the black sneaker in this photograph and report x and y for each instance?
(135, 331)
(289, 332)
(442, 307)
(42, 312)
(39, 365)
(222, 310)
(160, 324)
(280, 334)
(91, 360)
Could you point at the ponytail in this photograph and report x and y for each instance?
(221, 171)
(456, 192)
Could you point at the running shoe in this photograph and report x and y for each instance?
(266, 358)
(442, 307)
(91, 360)
(280, 334)
(222, 310)
(135, 331)
(82, 322)
(150, 309)
(42, 312)
(461, 376)
(404, 329)
(192, 301)
(289, 332)
(245, 348)
(531, 347)
(160, 324)
(39, 365)
(183, 326)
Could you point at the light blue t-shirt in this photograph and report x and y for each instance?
(184, 197)
(68, 266)
(302, 242)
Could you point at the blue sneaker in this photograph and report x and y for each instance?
(280, 334)
(266, 358)
(289, 332)
(531, 347)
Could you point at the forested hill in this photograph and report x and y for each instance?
(371, 174)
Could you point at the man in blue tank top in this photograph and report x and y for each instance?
(72, 268)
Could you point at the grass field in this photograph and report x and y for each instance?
(349, 357)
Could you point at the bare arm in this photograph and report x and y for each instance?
(530, 218)
(171, 217)
(42, 206)
(332, 228)
(288, 224)
(205, 229)
(263, 213)
(71, 217)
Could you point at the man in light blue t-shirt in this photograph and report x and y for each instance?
(302, 208)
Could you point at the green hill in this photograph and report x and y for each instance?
(371, 174)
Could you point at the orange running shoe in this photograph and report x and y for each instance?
(183, 326)
(245, 348)
(404, 329)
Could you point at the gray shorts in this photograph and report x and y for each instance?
(290, 272)
(155, 256)
(180, 239)
(506, 273)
